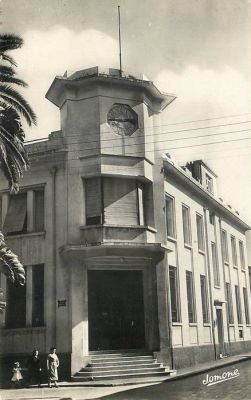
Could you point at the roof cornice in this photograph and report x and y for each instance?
(208, 199)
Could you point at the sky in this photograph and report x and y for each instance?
(200, 50)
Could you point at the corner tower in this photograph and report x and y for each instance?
(114, 192)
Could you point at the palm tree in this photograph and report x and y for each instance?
(9, 96)
(13, 156)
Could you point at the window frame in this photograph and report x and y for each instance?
(224, 244)
(204, 299)
(209, 183)
(230, 310)
(215, 262)
(191, 305)
(234, 252)
(246, 306)
(200, 232)
(242, 255)
(186, 223)
(173, 219)
(28, 316)
(175, 308)
(238, 305)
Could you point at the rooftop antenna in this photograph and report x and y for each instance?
(120, 58)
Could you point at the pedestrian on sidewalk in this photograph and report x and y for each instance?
(34, 369)
(52, 367)
(17, 377)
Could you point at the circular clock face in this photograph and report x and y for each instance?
(122, 119)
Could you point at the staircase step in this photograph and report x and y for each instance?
(111, 357)
(121, 351)
(134, 375)
(119, 372)
(122, 362)
(120, 366)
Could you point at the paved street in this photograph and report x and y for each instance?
(193, 388)
(64, 393)
(230, 382)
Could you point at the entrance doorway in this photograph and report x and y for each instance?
(220, 330)
(115, 310)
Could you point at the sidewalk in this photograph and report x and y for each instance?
(95, 390)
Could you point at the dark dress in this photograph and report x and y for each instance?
(34, 370)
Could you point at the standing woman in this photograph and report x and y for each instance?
(52, 367)
(34, 368)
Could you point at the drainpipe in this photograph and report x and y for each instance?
(54, 243)
(224, 281)
(209, 281)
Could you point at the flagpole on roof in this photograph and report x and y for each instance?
(120, 56)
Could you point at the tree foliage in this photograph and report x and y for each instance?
(13, 156)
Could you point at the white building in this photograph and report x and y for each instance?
(106, 270)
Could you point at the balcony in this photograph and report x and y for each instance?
(91, 234)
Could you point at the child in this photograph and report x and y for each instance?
(17, 376)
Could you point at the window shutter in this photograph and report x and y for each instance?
(93, 201)
(17, 210)
(120, 201)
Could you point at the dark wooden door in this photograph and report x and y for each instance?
(115, 310)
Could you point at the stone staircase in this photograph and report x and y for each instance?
(122, 367)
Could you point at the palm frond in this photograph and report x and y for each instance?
(9, 41)
(6, 78)
(7, 70)
(10, 59)
(17, 101)
(13, 156)
(9, 263)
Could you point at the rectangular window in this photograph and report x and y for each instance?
(234, 252)
(170, 216)
(212, 218)
(17, 297)
(186, 225)
(200, 232)
(190, 297)
(242, 255)
(174, 294)
(38, 210)
(229, 304)
(141, 209)
(38, 295)
(224, 246)
(215, 264)
(245, 298)
(16, 305)
(209, 184)
(93, 201)
(16, 219)
(238, 304)
(204, 298)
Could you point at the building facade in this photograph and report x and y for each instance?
(208, 268)
(122, 248)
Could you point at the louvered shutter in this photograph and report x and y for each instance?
(17, 211)
(120, 201)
